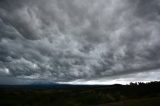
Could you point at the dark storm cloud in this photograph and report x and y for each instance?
(65, 40)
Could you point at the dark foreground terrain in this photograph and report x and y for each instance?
(135, 94)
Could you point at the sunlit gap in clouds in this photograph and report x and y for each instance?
(123, 79)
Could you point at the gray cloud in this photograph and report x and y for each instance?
(66, 40)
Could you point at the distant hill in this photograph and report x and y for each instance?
(50, 94)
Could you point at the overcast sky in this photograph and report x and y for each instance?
(79, 41)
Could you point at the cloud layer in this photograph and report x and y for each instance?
(66, 40)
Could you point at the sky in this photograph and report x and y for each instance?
(79, 42)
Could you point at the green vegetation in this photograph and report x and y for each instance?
(135, 94)
(152, 101)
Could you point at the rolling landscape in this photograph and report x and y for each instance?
(134, 94)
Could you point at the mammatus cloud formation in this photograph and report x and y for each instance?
(70, 40)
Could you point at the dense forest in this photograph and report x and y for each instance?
(134, 94)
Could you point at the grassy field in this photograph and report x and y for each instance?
(69, 95)
(154, 101)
